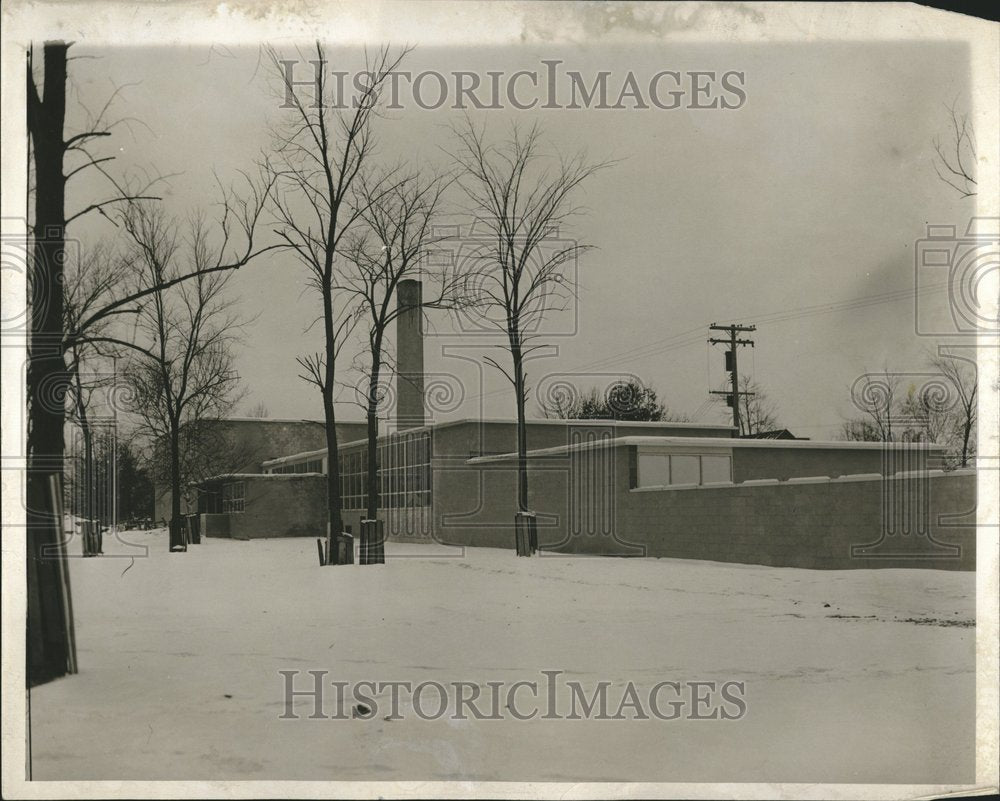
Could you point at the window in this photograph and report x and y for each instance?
(233, 497)
(353, 466)
(654, 469)
(715, 469)
(404, 473)
(660, 469)
(685, 469)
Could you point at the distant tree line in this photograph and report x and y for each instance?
(625, 400)
(940, 407)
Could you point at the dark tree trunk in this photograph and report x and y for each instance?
(372, 495)
(334, 516)
(50, 648)
(89, 486)
(371, 469)
(966, 433)
(87, 491)
(522, 433)
(332, 478)
(176, 522)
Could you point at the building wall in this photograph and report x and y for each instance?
(476, 505)
(784, 463)
(586, 506)
(242, 444)
(215, 525)
(811, 525)
(280, 506)
(455, 484)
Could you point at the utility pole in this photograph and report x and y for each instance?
(731, 365)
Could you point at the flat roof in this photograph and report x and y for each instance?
(713, 442)
(474, 421)
(247, 476)
(238, 419)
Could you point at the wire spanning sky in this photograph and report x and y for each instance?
(799, 211)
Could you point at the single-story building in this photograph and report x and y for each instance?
(606, 487)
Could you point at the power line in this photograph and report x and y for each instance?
(773, 317)
(689, 337)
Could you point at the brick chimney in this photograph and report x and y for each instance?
(409, 356)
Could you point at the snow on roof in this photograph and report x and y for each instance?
(711, 442)
(498, 420)
(246, 476)
(238, 419)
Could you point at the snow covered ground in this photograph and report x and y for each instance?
(850, 676)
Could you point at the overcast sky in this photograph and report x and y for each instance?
(812, 193)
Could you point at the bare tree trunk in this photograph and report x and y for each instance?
(89, 486)
(176, 524)
(966, 433)
(522, 433)
(372, 500)
(50, 650)
(334, 514)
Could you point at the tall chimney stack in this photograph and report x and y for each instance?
(409, 356)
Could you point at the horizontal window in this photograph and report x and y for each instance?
(658, 469)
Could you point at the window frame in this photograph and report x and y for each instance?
(670, 455)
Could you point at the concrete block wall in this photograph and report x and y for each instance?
(784, 463)
(475, 505)
(809, 523)
(281, 506)
(214, 525)
(806, 522)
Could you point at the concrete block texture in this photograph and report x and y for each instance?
(870, 522)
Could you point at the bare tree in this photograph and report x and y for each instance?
(877, 396)
(758, 413)
(521, 197)
(57, 156)
(962, 375)
(955, 157)
(91, 279)
(858, 429)
(321, 150)
(398, 237)
(182, 370)
(259, 410)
